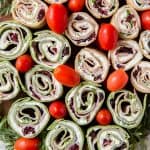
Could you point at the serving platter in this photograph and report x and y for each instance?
(140, 135)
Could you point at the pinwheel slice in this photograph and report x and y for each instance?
(55, 1)
(126, 108)
(126, 55)
(28, 117)
(92, 65)
(50, 49)
(139, 5)
(107, 138)
(127, 22)
(29, 12)
(41, 85)
(82, 29)
(14, 40)
(84, 101)
(64, 135)
(9, 81)
(140, 77)
(144, 43)
(102, 8)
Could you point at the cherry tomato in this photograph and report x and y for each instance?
(67, 76)
(104, 117)
(76, 5)
(107, 37)
(117, 80)
(57, 18)
(58, 109)
(24, 63)
(27, 144)
(145, 19)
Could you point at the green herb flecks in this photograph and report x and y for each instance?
(137, 135)
(7, 135)
(5, 7)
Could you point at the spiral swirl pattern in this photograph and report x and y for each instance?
(84, 101)
(92, 65)
(107, 138)
(64, 135)
(50, 49)
(82, 29)
(14, 40)
(126, 108)
(102, 8)
(126, 55)
(140, 77)
(9, 81)
(41, 85)
(139, 5)
(29, 12)
(28, 117)
(127, 22)
(144, 43)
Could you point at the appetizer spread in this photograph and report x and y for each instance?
(74, 74)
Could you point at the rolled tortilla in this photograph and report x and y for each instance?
(31, 13)
(28, 117)
(14, 40)
(84, 101)
(82, 29)
(109, 137)
(140, 77)
(64, 135)
(41, 85)
(92, 65)
(144, 43)
(50, 49)
(126, 55)
(139, 5)
(9, 81)
(102, 8)
(127, 22)
(126, 108)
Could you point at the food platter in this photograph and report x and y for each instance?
(68, 62)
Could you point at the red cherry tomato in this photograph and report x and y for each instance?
(27, 144)
(24, 63)
(104, 117)
(107, 37)
(117, 80)
(76, 5)
(57, 18)
(58, 109)
(145, 20)
(67, 76)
